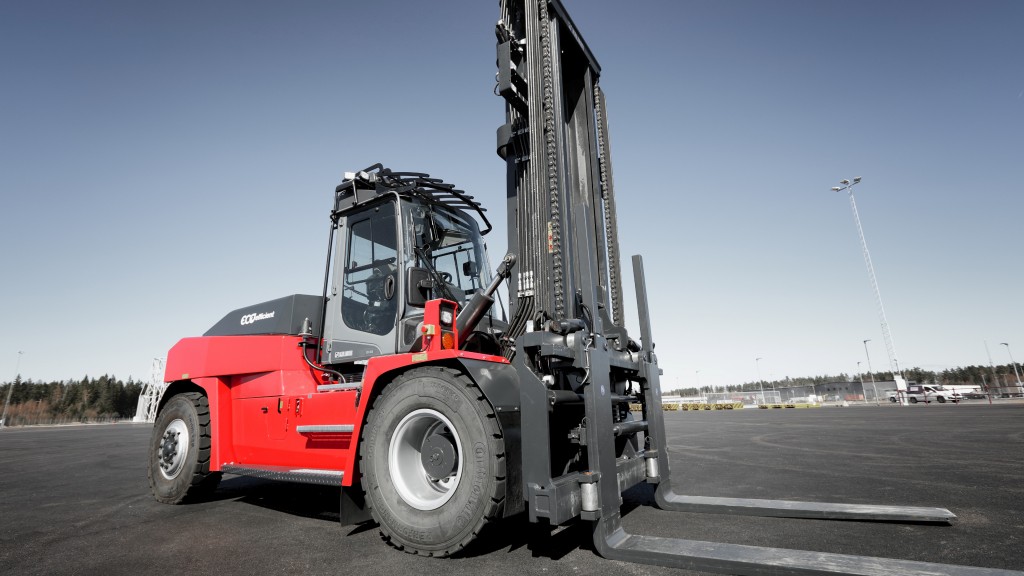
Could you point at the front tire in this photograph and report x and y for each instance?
(432, 459)
(179, 450)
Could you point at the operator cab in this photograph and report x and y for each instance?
(401, 239)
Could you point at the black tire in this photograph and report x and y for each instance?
(418, 514)
(941, 399)
(913, 400)
(179, 468)
(892, 399)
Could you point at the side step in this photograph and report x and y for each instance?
(325, 429)
(288, 474)
(358, 386)
(612, 542)
(668, 500)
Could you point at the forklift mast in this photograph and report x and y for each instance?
(578, 370)
(559, 174)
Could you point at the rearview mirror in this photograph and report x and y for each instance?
(417, 286)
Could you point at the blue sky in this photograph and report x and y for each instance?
(164, 163)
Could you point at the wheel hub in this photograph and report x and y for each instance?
(438, 455)
(424, 459)
(173, 448)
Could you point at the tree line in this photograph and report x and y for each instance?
(982, 376)
(90, 399)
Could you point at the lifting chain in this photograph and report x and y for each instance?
(608, 201)
(551, 153)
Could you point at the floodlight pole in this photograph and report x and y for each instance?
(890, 345)
(871, 373)
(17, 371)
(992, 365)
(1013, 362)
(760, 382)
(862, 390)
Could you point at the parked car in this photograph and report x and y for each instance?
(925, 393)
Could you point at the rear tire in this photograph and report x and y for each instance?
(432, 459)
(179, 451)
(913, 400)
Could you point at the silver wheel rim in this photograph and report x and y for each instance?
(411, 480)
(173, 449)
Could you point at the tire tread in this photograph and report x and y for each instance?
(494, 502)
(203, 482)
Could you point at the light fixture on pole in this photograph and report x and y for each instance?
(871, 373)
(890, 345)
(1013, 362)
(992, 366)
(760, 383)
(860, 375)
(868, 355)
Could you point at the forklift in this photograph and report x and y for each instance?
(437, 411)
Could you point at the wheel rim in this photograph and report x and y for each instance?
(405, 460)
(173, 449)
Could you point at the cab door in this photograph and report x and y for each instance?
(366, 292)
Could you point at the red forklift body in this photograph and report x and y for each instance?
(270, 410)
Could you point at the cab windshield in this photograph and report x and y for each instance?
(447, 242)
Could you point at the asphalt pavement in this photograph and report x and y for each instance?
(75, 500)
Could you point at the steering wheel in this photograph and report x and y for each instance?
(381, 284)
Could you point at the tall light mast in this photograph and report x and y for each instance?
(890, 345)
(17, 372)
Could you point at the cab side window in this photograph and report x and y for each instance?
(369, 300)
